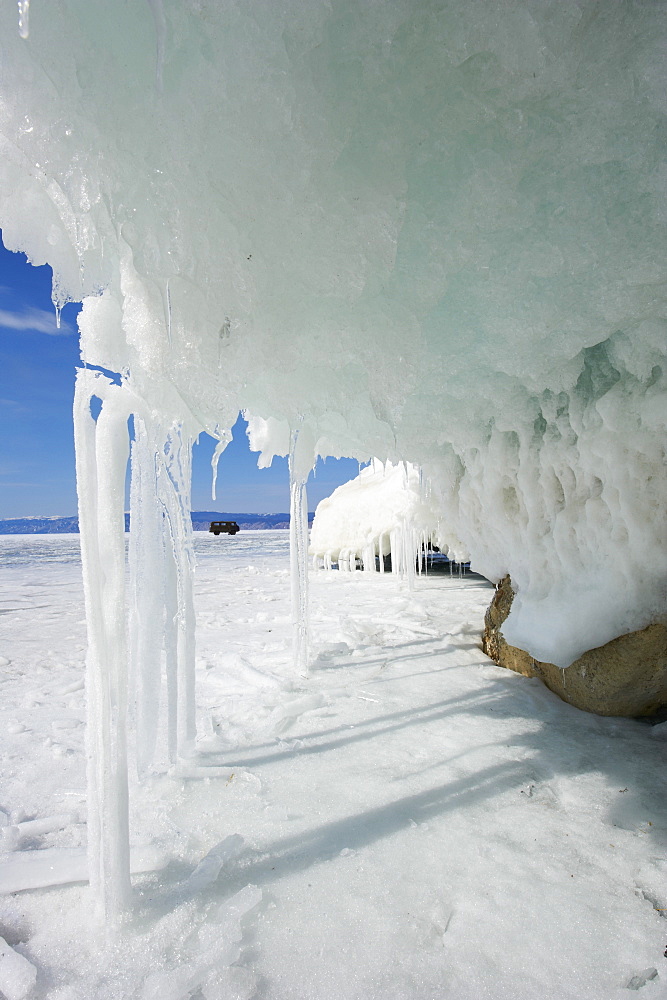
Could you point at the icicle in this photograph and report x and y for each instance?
(24, 18)
(171, 654)
(298, 557)
(58, 309)
(161, 566)
(102, 449)
(410, 553)
(175, 481)
(225, 438)
(146, 558)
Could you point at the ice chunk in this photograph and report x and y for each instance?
(13, 835)
(641, 979)
(219, 947)
(17, 974)
(284, 715)
(60, 865)
(209, 867)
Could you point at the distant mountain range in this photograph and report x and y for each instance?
(201, 520)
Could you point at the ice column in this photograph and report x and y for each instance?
(102, 450)
(161, 580)
(147, 590)
(174, 484)
(160, 604)
(298, 470)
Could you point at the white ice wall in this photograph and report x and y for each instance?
(430, 231)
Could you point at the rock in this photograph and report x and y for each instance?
(627, 676)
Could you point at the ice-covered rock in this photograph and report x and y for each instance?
(627, 676)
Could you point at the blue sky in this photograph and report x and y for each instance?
(37, 363)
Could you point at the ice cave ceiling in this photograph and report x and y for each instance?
(418, 229)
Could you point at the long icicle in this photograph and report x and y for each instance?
(175, 486)
(102, 450)
(147, 582)
(298, 559)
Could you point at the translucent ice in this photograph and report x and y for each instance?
(59, 865)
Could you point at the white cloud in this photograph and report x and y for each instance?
(33, 320)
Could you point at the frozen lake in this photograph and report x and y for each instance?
(22, 550)
(417, 823)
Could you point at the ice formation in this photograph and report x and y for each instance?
(386, 509)
(430, 232)
(17, 974)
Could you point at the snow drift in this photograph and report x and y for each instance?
(423, 231)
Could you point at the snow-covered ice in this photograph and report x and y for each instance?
(416, 822)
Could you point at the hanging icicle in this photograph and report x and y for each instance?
(102, 451)
(299, 554)
(147, 595)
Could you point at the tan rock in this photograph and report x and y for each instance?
(627, 676)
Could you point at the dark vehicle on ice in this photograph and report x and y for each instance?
(226, 527)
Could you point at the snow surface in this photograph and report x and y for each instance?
(411, 822)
